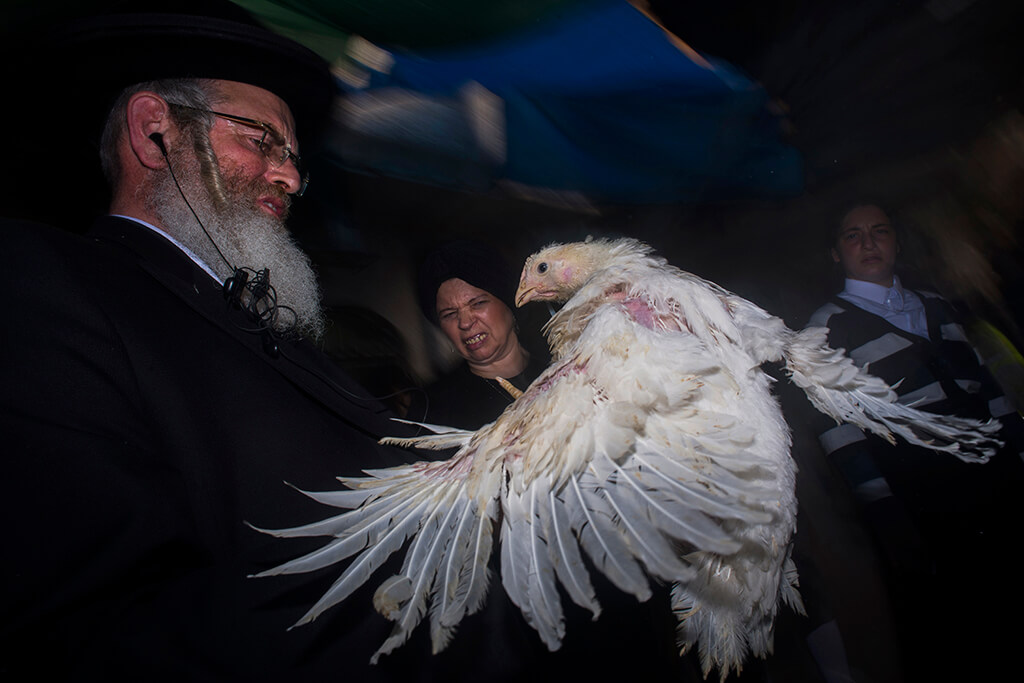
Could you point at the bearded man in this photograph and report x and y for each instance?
(149, 407)
(168, 150)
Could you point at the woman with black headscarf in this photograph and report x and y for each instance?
(467, 290)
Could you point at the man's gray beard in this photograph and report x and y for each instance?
(248, 238)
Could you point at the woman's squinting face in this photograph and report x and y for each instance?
(478, 324)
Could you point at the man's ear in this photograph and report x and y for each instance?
(835, 254)
(147, 115)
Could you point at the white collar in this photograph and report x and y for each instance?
(873, 292)
(188, 252)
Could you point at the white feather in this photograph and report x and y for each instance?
(514, 553)
(565, 553)
(421, 565)
(542, 591)
(592, 519)
(841, 390)
(470, 581)
(449, 603)
(646, 542)
(378, 532)
(357, 573)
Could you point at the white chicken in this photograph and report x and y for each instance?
(652, 443)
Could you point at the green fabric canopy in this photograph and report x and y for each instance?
(325, 25)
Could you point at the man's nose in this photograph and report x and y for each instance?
(286, 176)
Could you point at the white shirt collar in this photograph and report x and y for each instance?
(879, 294)
(188, 252)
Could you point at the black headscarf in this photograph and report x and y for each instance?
(479, 265)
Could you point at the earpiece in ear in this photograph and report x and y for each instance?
(159, 140)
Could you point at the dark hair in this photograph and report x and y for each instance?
(847, 209)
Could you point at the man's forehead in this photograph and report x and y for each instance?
(254, 102)
(864, 217)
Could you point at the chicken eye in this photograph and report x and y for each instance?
(542, 268)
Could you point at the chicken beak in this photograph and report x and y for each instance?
(526, 288)
(524, 294)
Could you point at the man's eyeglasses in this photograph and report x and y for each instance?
(269, 143)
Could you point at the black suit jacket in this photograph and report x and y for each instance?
(143, 427)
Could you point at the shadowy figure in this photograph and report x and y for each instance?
(372, 351)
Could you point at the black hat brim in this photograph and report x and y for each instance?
(106, 54)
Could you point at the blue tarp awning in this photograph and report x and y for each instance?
(600, 103)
